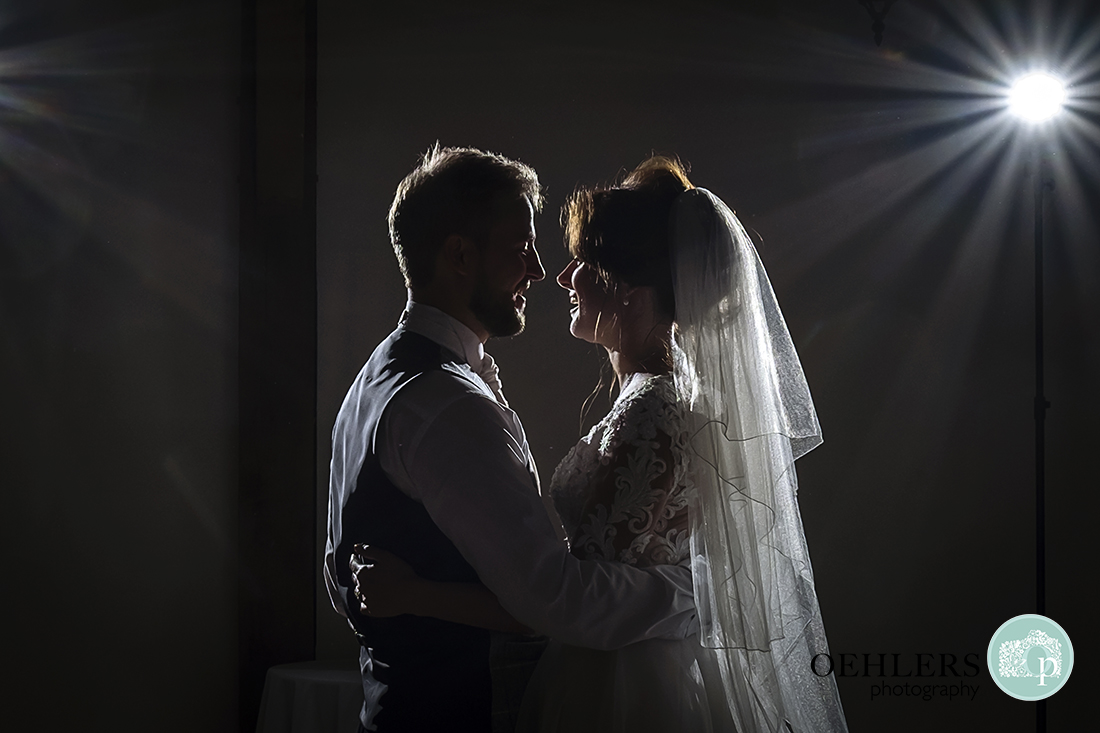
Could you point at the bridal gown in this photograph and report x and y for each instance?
(622, 494)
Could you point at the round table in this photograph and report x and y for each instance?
(311, 697)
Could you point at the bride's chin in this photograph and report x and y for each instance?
(581, 336)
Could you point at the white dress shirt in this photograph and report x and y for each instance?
(465, 457)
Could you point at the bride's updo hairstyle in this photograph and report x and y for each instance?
(624, 231)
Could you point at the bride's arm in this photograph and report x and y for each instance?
(387, 586)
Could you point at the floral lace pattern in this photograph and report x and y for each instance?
(623, 491)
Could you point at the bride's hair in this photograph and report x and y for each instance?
(623, 231)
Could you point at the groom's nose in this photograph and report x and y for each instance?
(535, 270)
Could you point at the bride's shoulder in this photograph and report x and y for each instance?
(651, 392)
(647, 405)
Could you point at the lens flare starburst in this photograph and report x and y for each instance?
(1037, 97)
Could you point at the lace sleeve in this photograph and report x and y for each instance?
(637, 506)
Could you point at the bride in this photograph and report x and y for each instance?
(694, 464)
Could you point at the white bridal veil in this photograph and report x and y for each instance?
(751, 416)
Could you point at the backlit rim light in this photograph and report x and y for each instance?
(1037, 97)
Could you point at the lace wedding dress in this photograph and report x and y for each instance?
(623, 494)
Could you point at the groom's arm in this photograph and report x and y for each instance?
(465, 458)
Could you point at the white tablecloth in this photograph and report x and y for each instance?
(311, 697)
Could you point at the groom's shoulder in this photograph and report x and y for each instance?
(422, 376)
(405, 350)
(433, 391)
(402, 355)
(400, 359)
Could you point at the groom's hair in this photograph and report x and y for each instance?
(452, 191)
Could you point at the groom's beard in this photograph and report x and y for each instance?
(496, 311)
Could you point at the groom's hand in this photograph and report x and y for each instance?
(384, 584)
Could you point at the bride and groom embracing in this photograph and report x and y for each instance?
(666, 562)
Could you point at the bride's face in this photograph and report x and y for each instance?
(594, 317)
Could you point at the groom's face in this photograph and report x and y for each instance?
(508, 264)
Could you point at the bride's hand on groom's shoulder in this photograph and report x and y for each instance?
(385, 584)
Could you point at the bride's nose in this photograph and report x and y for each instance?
(565, 277)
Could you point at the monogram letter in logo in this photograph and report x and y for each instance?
(1033, 657)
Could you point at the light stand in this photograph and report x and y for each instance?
(1039, 97)
(1042, 184)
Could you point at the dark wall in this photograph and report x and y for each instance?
(894, 220)
(118, 226)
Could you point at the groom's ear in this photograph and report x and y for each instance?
(459, 254)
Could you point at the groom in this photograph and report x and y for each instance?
(429, 463)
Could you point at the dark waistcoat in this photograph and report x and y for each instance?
(437, 671)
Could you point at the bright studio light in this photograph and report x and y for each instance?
(1037, 97)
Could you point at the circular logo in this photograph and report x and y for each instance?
(1030, 657)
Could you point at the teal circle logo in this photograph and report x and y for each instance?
(1030, 657)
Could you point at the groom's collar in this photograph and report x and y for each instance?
(445, 330)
